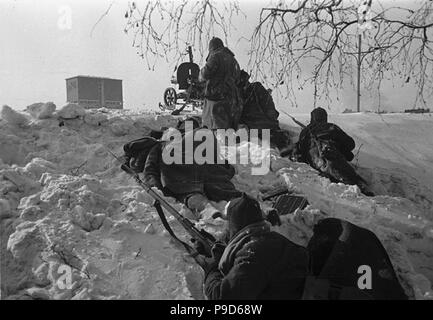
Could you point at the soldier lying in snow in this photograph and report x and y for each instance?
(327, 148)
(193, 184)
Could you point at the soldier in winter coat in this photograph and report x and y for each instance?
(257, 263)
(193, 184)
(328, 149)
(223, 105)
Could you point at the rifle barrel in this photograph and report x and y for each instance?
(294, 120)
(186, 223)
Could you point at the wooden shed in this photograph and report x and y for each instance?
(95, 92)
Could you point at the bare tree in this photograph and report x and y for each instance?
(162, 29)
(322, 36)
(300, 42)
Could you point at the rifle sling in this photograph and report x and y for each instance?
(167, 227)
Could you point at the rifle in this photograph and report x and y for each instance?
(201, 236)
(314, 137)
(303, 126)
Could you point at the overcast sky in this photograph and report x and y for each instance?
(36, 55)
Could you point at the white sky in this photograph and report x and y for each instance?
(36, 56)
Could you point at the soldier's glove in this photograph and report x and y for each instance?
(199, 247)
(295, 156)
(158, 191)
(125, 161)
(211, 263)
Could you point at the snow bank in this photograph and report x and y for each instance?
(13, 117)
(66, 203)
(71, 111)
(394, 152)
(41, 110)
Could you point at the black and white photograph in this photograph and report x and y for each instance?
(216, 154)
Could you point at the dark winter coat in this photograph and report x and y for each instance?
(327, 148)
(258, 264)
(328, 132)
(337, 249)
(213, 180)
(259, 109)
(223, 105)
(221, 74)
(173, 178)
(217, 182)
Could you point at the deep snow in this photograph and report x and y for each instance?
(64, 199)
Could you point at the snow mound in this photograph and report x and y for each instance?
(41, 110)
(66, 204)
(13, 117)
(71, 111)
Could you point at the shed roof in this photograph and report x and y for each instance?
(92, 77)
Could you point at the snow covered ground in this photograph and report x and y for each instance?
(64, 200)
(394, 152)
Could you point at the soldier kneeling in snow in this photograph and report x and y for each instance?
(193, 184)
(259, 111)
(257, 263)
(328, 149)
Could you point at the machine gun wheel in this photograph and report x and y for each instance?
(170, 98)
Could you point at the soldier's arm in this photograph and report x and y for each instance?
(269, 104)
(246, 280)
(302, 146)
(344, 140)
(209, 69)
(152, 170)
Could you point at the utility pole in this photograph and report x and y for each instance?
(189, 50)
(364, 23)
(359, 60)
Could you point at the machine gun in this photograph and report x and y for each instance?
(205, 239)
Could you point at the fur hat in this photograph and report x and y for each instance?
(319, 115)
(242, 212)
(215, 43)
